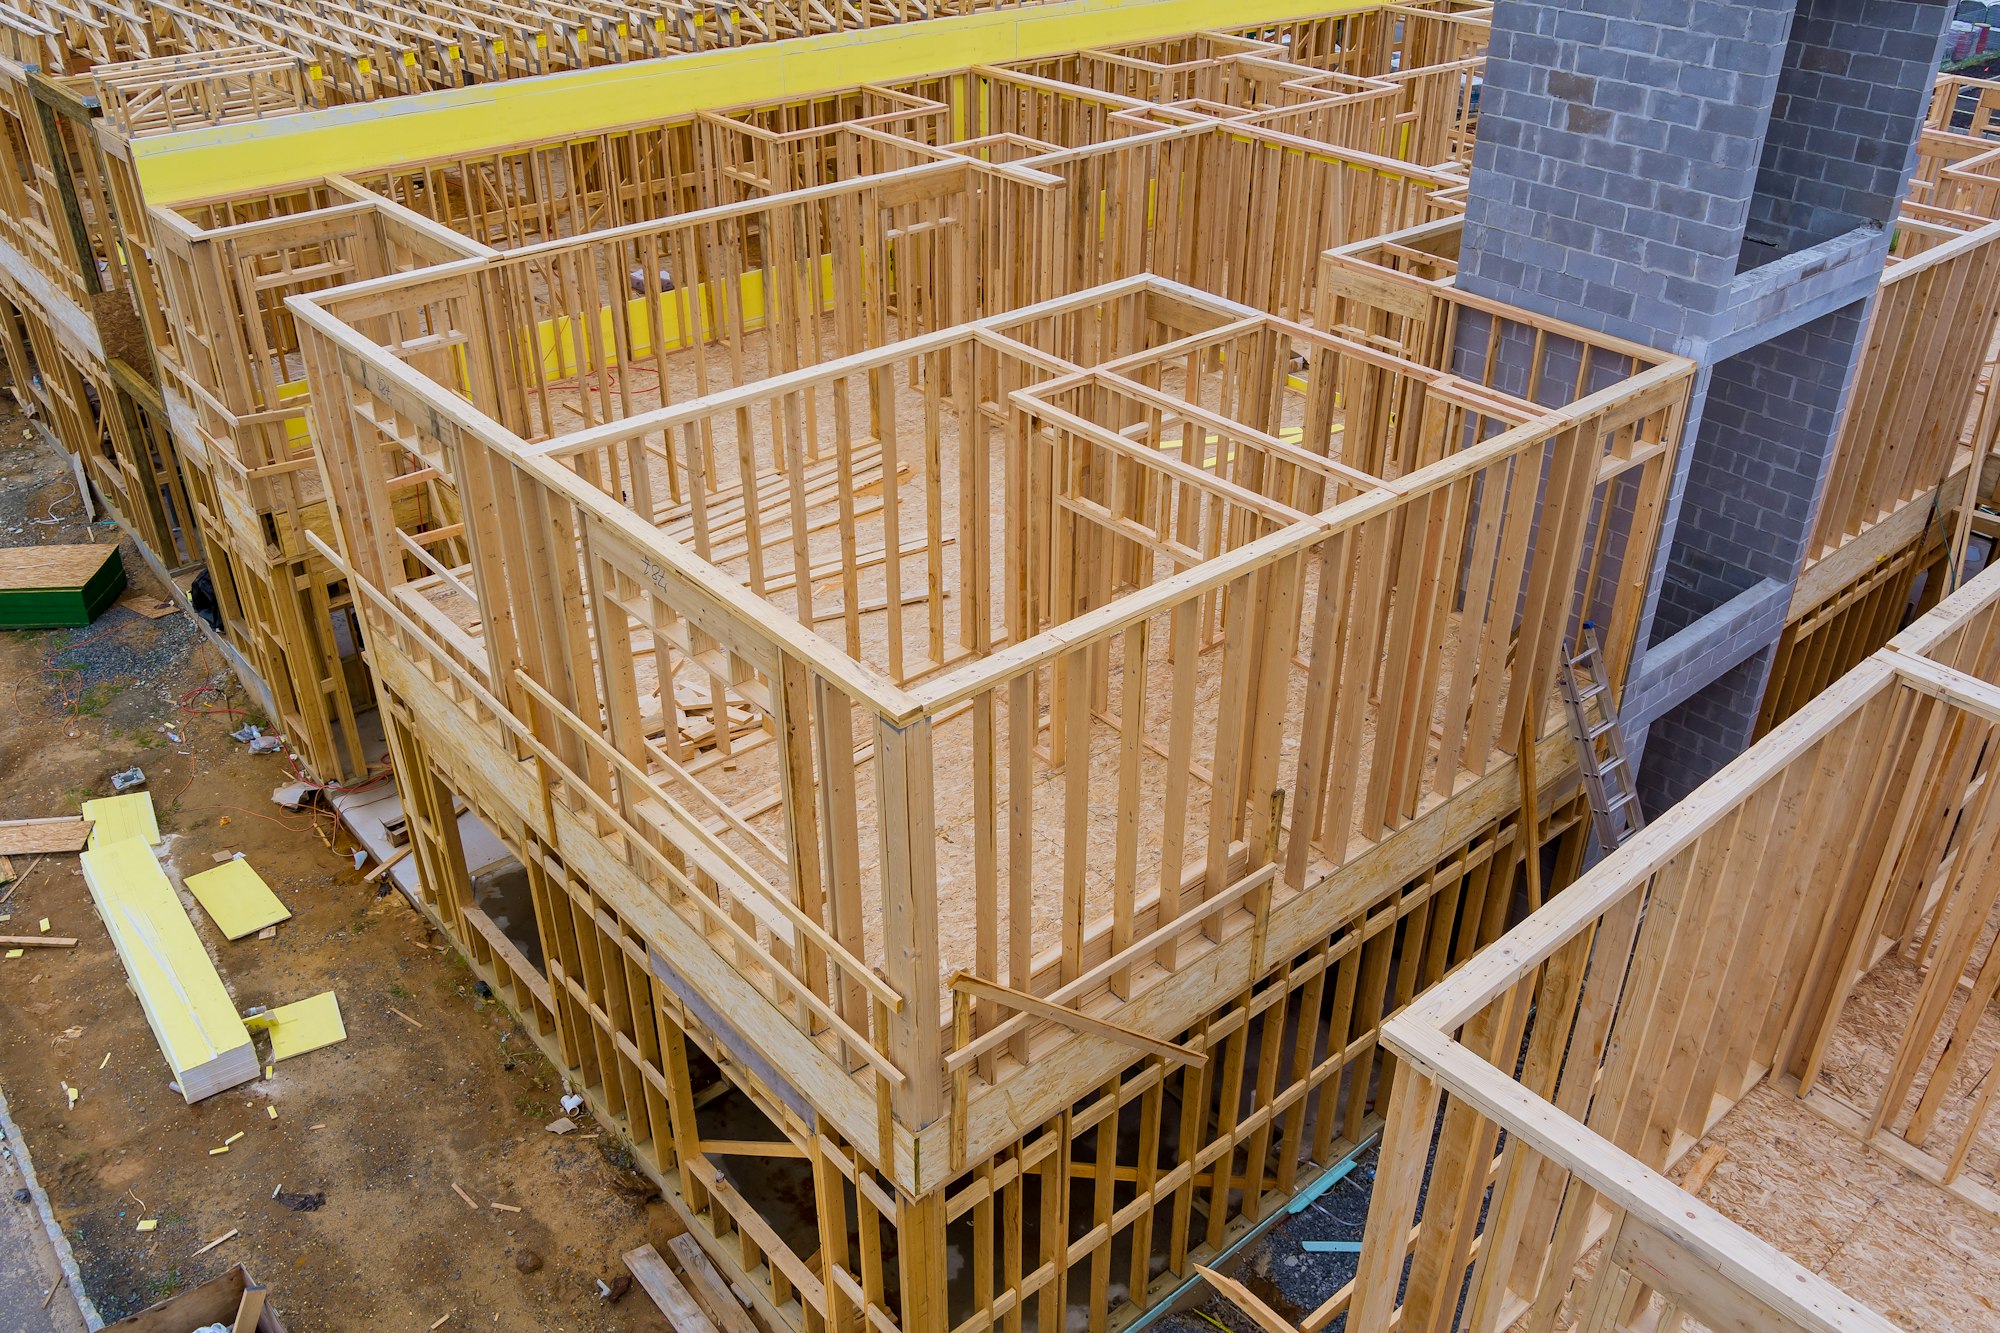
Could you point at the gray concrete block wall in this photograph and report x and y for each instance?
(1618, 150)
(1696, 583)
(1691, 743)
(1626, 149)
(1838, 148)
(1760, 455)
(1674, 669)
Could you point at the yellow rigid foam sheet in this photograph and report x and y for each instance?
(260, 154)
(116, 818)
(191, 1014)
(237, 899)
(304, 1025)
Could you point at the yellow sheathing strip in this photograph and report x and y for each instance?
(116, 818)
(255, 155)
(190, 1013)
(558, 341)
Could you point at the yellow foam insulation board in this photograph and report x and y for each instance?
(237, 899)
(116, 818)
(192, 1017)
(304, 1025)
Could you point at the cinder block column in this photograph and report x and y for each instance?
(1715, 180)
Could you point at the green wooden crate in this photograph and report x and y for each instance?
(57, 587)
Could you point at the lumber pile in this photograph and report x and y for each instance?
(57, 587)
(191, 1014)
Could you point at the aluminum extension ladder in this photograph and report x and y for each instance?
(1600, 742)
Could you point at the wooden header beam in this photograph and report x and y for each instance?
(238, 158)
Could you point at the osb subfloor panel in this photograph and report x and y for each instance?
(1863, 1045)
(1914, 1251)
(929, 502)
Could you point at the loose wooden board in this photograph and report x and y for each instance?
(31, 837)
(708, 1287)
(153, 608)
(650, 1271)
(237, 899)
(192, 1017)
(117, 818)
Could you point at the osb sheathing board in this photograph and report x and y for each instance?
(1844, 1210)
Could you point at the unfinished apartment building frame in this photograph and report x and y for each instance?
(931, 661)
(193, 424)
(1111, 602)
(962, 834)
(207, 453)
(1548, 1097)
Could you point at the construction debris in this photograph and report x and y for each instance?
(674, 1300)
(237, 899)
(301, 1026)
(28, 837)
(227, 1235)
(116, 818)
(190, 1012)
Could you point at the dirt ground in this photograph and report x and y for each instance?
(383, 1124)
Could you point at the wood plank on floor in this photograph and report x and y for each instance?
(650, 1271)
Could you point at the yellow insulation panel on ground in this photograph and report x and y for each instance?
(116, 818)
(237, 899)
(192, 1017)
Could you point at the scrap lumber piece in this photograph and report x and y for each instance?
(37, 942)
(58, 587)
(250, 1310)
(237, 899)
(116, 818)
(301, 1026)
(650, 1271)
(223, 1300)
(709, 1288)
(30, 837)
(192, 1017)
(153, 608)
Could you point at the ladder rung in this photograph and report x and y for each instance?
(1611, 765)
(1585, 696)
(1624, 799)
(1609, 724)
